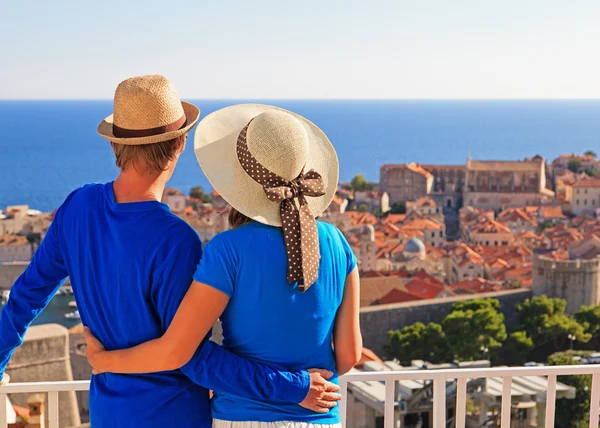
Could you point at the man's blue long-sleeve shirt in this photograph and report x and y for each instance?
(130, 266)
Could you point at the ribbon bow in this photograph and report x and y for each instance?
(299, 226)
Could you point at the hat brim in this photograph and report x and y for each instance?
(215, 143)
(192, 113)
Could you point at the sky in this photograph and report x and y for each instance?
(320, 49)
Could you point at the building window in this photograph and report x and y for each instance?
(441, 233)
(540, 271)
(495, 243)
(585, 202)
(577, 202)
(487, 243)
(433, 234)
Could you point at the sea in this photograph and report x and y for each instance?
(49, 148)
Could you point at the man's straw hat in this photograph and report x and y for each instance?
(283, 142)
(147, 110)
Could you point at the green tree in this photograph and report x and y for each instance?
(516, 348)
(572, 413)
(417, 342)
(360, 183)
(398, 208)
(591, 172)
(471, 325)
(574, 165)
(589, 318)
(363, 208)
(198, 193)
(544, 225)
(591, 153)
(544, 320)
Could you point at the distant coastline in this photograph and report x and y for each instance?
(52, 146)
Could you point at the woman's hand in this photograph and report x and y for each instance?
(93, 350)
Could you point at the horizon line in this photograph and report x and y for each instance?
(318, 99)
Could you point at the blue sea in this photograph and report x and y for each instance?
(48, 148)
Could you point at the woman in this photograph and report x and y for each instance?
(285, 286)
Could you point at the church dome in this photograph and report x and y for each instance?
(415, 246)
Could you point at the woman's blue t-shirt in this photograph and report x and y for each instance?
(267, 319)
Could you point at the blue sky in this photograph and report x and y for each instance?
(303, 49)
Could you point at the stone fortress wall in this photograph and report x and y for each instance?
(576, 281)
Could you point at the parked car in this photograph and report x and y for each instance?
(594, 358)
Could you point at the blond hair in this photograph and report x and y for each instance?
(155, 157)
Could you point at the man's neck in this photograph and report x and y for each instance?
(133, 186)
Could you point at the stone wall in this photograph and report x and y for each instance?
(403, 184)
(499, 200)
(376, 321)
(577, 281)
(80, 367)
(44, 356)
(9, 272)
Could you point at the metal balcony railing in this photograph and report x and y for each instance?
(389, 378)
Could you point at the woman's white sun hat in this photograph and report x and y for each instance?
(283, 142)
(147, 110)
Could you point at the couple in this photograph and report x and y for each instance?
(285, 286)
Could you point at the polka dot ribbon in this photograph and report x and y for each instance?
(298, 224)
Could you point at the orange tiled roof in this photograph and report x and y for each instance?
(374, 288)
(360, 219)
(394, 218)
(398, 296)
(476, 285)
(588, 158)
(421, 224)
(515, 214)
(424, 276)
(485, 225)
(423, 289)
(546, 211)
(587, 184)
(529, 235)
(465, 254)
(410, 166)
(13, 241)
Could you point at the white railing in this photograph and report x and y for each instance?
(52, 388)
(389, 378)
(440, 377)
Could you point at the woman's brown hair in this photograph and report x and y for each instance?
(237, 219)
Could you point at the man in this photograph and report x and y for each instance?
(130, 262)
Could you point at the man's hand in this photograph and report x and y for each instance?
(322, 395)
(93, 349)
(5, 380)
